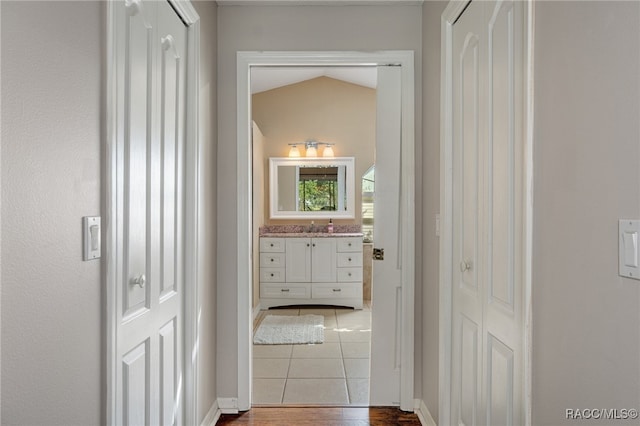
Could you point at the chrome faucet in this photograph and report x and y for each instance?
(312, 227)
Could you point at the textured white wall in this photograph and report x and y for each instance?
(586, 319)
(207, 393)
(293, 28)
(52, 346)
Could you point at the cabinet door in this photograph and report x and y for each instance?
(323, 260)
(298, 260)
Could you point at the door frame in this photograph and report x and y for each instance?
(193, 194)
(454, 10)
(247, 59)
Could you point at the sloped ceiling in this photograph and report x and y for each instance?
(267, 78)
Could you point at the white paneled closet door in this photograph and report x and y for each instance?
(488, 215)
(150, 58)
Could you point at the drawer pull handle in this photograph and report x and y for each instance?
(284, 290)
(272, 259)
(271, 244)
(271, 274)
(337, 290)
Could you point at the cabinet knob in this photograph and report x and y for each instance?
(314, 244)
(349, 244)
(349, 259)
(349, 273)
(272, 259)
(271, 274)
(308, 244)
(271, 244)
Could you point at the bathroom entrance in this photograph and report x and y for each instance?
(388, 319)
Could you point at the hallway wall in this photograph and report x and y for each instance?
(431, 12)
(207, 391)
(315, 28)
(52, 344)
(586, 321)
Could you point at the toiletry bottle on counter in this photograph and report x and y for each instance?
(330, 226)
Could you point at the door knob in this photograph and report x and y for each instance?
(465, 265)
(140, 280)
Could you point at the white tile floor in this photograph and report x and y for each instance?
(335, 372)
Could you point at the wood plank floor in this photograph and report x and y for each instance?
(321, 416)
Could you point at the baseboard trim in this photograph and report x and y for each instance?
(228, 405)
(423, 413)
(212, 416)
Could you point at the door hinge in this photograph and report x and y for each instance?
(378, 254)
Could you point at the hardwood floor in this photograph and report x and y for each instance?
(321, 416)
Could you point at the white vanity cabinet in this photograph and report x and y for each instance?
(311, 271)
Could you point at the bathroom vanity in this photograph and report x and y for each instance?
(311, 269)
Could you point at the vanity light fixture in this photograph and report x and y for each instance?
(311, 148)
(294, 151)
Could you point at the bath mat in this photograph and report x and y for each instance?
(288, 330)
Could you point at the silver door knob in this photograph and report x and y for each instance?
(465, 265)
(140, 280)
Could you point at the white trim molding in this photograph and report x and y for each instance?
(246, 60)
(423, 413)
(451, 14)
(213, 415)
(193, 194)
(228, 405)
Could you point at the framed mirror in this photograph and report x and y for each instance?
(312, 188)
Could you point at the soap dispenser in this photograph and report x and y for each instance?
(330, 226)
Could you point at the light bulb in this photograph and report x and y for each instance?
(312, 151)
(328, 151)
(294, 151)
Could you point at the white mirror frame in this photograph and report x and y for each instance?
(348, 162)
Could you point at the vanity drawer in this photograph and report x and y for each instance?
(272, 260)
(349, 275)
(272, 275)
(336, 291)
(285, 291)
(346, 260)
(349, 245)
(272, 245)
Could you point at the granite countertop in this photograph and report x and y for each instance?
(318, 231)
(311, 234)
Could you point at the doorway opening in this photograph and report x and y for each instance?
(334, 106)
(400, 359)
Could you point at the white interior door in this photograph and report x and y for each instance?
(487, 368)
(386, 330)
(150, 58)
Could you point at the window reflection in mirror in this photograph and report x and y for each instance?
(312, 187)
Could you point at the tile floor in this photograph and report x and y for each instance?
(335, 372)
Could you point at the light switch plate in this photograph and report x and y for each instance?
(628, 254)
(91, 237)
